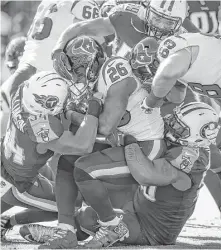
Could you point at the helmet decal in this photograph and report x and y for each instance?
(86, 45)
(47, 102)
(142, 56)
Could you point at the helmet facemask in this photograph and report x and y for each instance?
(188, 133)
(175, 130)
(161, 25)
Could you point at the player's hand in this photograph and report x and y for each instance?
(61, 64)
(116, 139)
(99, 97)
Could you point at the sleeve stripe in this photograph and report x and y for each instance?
(156, 150)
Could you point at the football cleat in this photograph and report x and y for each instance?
(61, 239)
(106, 236)
(36, 233)
(5, 225)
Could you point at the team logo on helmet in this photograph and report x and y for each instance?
(85, 45)
(47, 102)
(142, 57)
(44, 133)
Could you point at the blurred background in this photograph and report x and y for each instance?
(16, 18)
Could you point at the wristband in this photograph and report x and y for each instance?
(94, 107)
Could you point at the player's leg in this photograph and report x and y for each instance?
(47, 172)
(213, 176)
(66, 197)
(93, 170)
(87, 221)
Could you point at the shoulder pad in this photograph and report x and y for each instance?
(170, 46)
(44, 129)
(182, 158)
(115, 70)
(85, 10)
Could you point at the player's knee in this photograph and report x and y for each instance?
(81, 175)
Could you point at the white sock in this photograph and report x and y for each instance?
(113, 222)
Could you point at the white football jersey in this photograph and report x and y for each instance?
(204, 74)
(135, 122)
(51, 19)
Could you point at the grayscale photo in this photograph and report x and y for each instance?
(110, 124)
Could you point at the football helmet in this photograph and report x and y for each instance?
(85, 57)
(107, 7)
(13, 52)
(45, 93)
(194, 124)
(143, 59)
(164, 18)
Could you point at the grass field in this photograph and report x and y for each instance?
(202, 231)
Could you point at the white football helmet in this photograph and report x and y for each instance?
(107, 7)
(194, 124)
(164, 17)
(45, 93)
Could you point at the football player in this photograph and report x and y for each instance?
(131, 23)
(122, 94)
(197, 66)
(34, 132)
(163, 202)
(13, 53)
(205, 15)
(51, 19)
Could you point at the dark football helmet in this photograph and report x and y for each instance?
(143, 59)
(80, 63)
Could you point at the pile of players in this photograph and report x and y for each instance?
(140, 87)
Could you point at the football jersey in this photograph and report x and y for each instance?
(135, 122)
(204, 74)
(129, 22)
(204, 15)
(51, 19)
(164, 210)
(24, 132)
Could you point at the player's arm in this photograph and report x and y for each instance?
(158, 172)
(98, 27)
(189, 26)
(115, 105)
(170, 70)
(80, 143)
(11, 85)
(177, 93)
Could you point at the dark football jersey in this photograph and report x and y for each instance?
(129, 21)
(24, 132)
(164, 210)
(204, 15)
